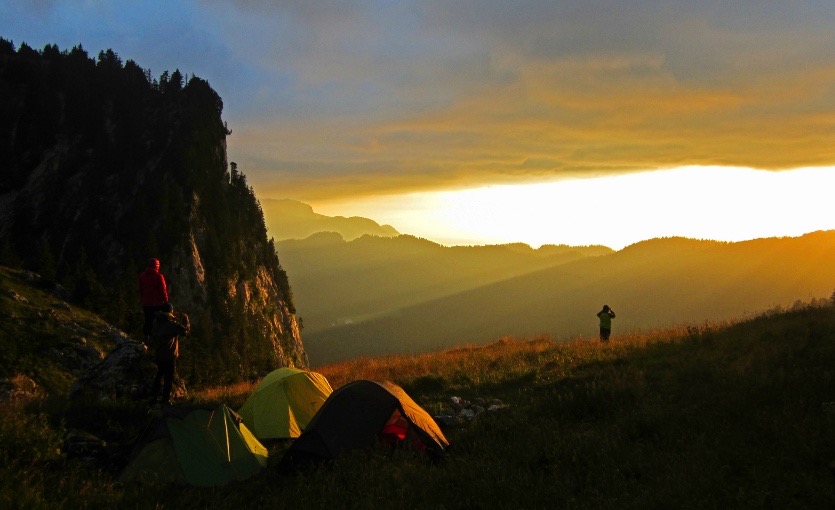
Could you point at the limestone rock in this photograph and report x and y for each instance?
(125, 375)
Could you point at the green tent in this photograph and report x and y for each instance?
(197, 446)
(284, 403)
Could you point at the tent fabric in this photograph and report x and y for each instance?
(416, 414)
(197, 446)
(284, 403)
(355, 416)
(155, 464)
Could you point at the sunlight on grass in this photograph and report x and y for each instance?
(233, 395)
(502, 360)
(714, 415)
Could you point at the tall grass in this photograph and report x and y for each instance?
(736, 415)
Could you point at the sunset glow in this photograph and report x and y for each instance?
(729, 204)
(554, 121)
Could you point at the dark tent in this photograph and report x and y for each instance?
(360, 414)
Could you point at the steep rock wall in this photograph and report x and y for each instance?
(102, 167)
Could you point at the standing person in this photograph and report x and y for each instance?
(605, 315)
(153, 293)
(167, 329)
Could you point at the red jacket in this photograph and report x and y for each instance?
(152, 288)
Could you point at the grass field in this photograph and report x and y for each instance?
(737, 415)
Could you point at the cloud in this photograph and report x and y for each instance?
(363, 97)
(587, 88)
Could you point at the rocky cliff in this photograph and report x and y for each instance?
(102, 167)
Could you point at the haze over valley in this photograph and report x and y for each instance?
(385, 295)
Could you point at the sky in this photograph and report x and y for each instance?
(546, 122)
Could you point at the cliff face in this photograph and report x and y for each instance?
(102, 167)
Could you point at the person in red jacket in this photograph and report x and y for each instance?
(153, 293)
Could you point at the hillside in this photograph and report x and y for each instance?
(736, 415)
(290, 219)
(653, 284)
(102, 167)
(337, 281)
(46, 339)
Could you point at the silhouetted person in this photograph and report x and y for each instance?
(167, 329)
(153, 293)
(605, 315)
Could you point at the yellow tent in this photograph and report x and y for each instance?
(284, 403)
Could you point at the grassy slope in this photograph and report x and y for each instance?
(727, 416)
(38, 331)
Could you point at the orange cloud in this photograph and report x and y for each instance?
(602, 94)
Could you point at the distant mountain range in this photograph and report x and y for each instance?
(392, 296)
(289, 219)
(337, 282)
(373, 294)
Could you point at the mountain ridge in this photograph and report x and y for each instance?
(651, 284)
(291, 219)
(344, 281)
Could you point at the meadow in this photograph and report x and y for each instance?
(717, 415)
